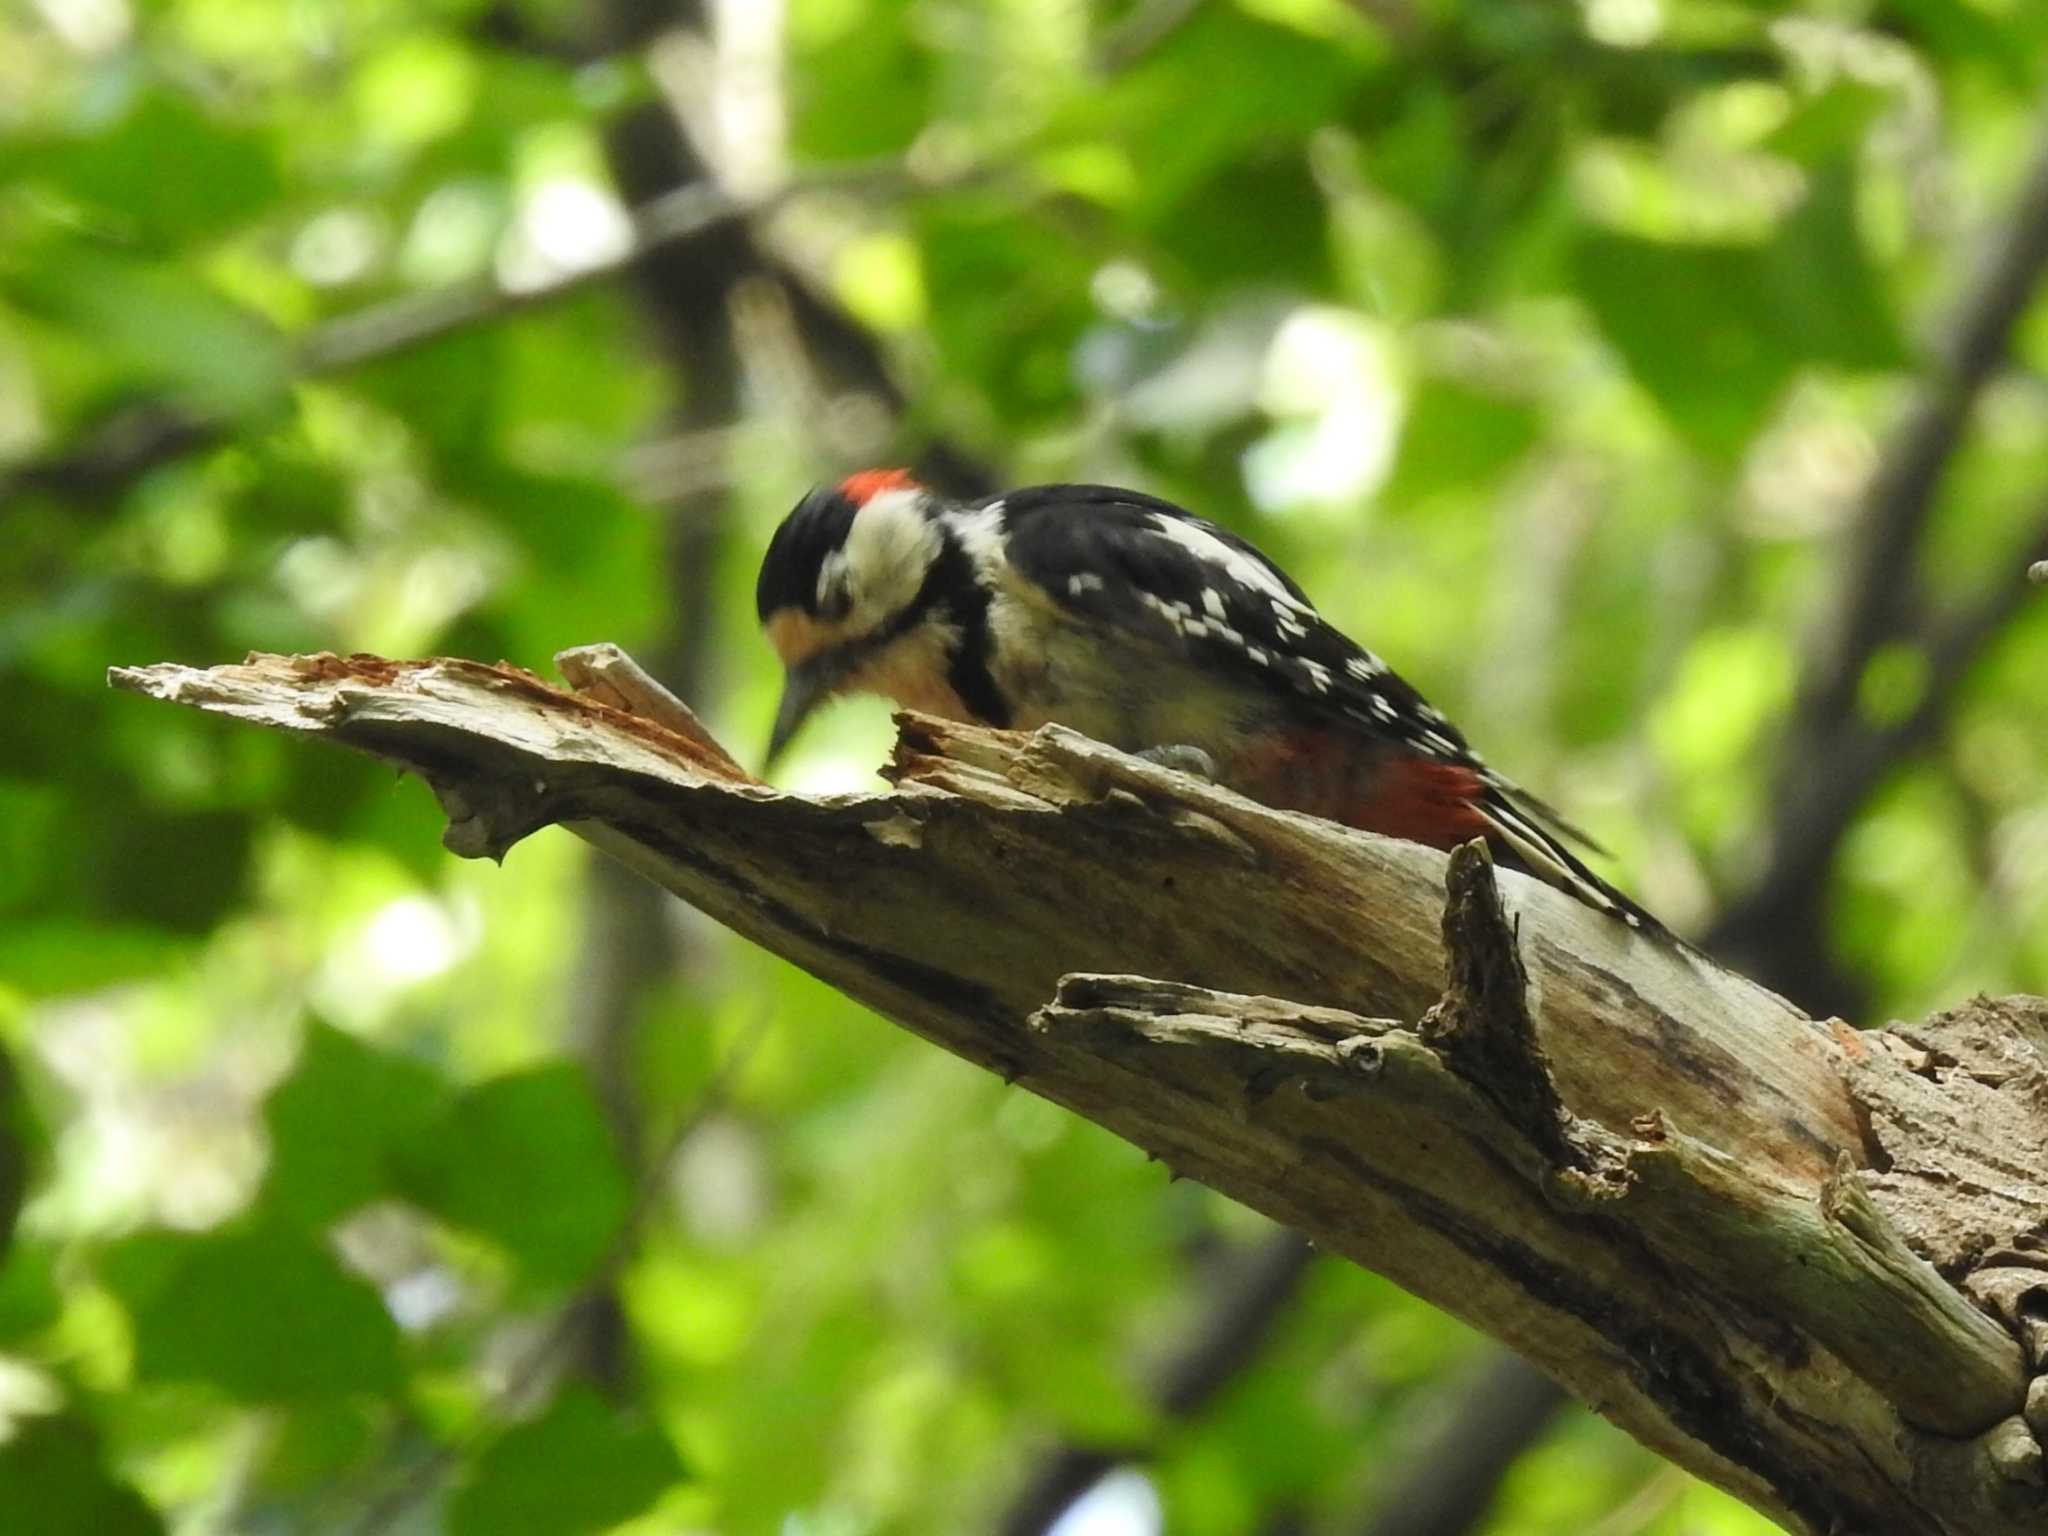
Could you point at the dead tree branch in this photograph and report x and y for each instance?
(1832, 758)
(1801, 1262)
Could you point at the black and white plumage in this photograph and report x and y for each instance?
(1137, 623)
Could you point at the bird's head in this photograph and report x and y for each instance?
(851, 573)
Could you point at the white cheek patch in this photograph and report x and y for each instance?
(888, 550)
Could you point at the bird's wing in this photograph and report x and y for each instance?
(1123, 560)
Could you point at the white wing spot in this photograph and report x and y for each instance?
(1382, 708)
(1291, 628)
(1082, 582)
(1257, 655)
(1318, 675)
(1177, 615)
(1215, 553)
(1212, 603)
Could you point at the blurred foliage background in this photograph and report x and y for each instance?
(1655, 381)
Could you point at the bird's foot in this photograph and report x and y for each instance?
(1182, 759)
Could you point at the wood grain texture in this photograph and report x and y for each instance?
(1779, 1251)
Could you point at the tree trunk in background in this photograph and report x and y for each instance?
(634, 945)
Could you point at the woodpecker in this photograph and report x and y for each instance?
(1146, 627)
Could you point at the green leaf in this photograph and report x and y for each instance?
(1684, 318)
(167, 171)
(1830, 125)
(527, 1160)
(1082, 1390)
(1824, 296)
(418, 87)
(263, 1312)
(179, 871)
(581, 1466)
(446, 390)
(335, 1124)
(1258, 222)
(1009, 301)
(1457, 438)
(54, 956)
(1962, 30)
(164, 324)
(1716, 331)
(600, 555)
(859, 84)
(31, 817)
(52, 1482)
(318, 1443)
(1283, 85)
(29, 1297)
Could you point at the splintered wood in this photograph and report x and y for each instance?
(1803, 1262)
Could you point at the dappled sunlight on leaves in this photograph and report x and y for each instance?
(1555, 348)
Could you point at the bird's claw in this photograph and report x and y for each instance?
(1182, 759)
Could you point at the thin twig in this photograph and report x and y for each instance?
(1144, 28)
(1881, 571)
(1504, 1408)
(1827, 780)
(1831, 758)
(144, 437)
(391, 329)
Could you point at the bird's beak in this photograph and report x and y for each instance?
(804, 687)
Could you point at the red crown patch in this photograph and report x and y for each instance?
(864, 487)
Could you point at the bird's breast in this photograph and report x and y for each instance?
(912, 672)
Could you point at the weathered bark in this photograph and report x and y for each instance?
(1808, 1264)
